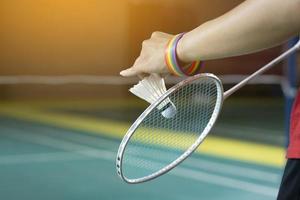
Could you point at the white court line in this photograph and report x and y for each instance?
(117, 80)
(181, 171)
(217, 167)
(226, 182)
(211, 178)
(192, 162)
(41, 157)
(63, 145)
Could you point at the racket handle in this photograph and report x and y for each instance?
(262, 70)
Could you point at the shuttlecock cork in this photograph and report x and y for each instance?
(152, 88)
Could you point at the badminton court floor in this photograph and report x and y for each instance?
(49, 152)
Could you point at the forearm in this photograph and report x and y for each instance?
(252, 26)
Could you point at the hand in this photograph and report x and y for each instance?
(152, 57)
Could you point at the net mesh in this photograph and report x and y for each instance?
(158, 141)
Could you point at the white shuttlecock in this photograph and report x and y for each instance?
(150, 89)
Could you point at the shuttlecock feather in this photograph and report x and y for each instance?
(152, 88)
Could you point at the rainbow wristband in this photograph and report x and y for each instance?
(172, 59)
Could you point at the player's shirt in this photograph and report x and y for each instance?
(294, 146)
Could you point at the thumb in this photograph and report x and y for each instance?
(128, 72)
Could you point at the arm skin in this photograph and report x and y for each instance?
(252, 26)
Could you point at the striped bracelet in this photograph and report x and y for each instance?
(172, 59)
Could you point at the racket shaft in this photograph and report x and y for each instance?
(262, 70)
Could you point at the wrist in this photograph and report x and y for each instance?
(185, 58)
(182, 53)
(175, 65)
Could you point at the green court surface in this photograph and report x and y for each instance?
(66, 150)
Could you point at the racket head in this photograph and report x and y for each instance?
(196, 84)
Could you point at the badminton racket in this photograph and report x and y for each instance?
(154, 145)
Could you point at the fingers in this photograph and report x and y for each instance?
(129, 72)
(152, 56)
(158, 34)
(142, 75)
(133, 72)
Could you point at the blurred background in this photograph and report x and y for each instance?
(64, 108)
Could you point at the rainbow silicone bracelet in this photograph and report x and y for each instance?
(172, 60)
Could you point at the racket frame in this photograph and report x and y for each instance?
(221, 97)
(191, 149)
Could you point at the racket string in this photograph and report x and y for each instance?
(195, 104)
